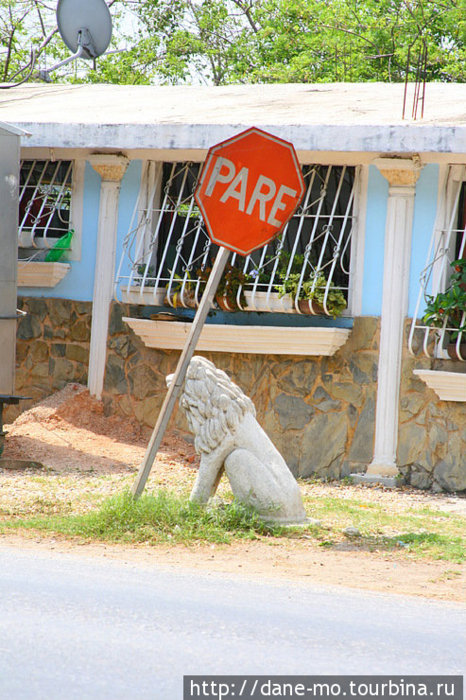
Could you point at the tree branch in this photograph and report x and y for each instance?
(247, 12)
(348, 31)
(14, 27)
(40, 18)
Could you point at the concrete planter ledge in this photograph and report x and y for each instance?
(449, 386)
(255, 301)
(41, 274)
(264, 340)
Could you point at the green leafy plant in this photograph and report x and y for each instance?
(150, 276)
(186, 210)
(263, 275)
(231, 281)
(183, 291)
(291, 285)
(447, 309)
(313, 289)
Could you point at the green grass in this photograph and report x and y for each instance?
(162, 517)
(431, 543)
(422, 531)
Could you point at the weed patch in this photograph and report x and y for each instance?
(437, 546)
(162, 517)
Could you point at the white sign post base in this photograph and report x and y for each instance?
(174, 389)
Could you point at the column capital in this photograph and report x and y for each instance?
(400, 172)
(111, 167)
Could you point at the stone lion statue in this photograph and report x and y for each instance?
(229, 438)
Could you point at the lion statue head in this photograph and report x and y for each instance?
(213, 404)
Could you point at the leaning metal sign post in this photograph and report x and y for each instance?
(248, 190)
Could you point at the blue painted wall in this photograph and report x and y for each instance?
(425, 205)
(376, 213)
(128, 198)
(425, 209)
(79, 282)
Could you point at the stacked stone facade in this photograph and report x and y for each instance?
(432, 433)
(52, 347)
(319, 411)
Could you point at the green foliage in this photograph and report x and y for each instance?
(183, 292)
(238, 41)
(314, 289)
(423, 532)
(153, 518)
(150, 275)
(449, 307)
(165, 517)
(438, 546)
(235, 41)
(24, 25)
(232, 279)
(292, 286)
(186, 210)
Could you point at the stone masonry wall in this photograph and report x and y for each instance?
(52, 348)
(432, 434)
(319, 411)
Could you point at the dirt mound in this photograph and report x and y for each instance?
(69, 431)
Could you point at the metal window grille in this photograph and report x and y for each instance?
(167, 252)
(443, 333)
(44, 202)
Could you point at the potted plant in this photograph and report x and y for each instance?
(447, 310)
(311, 294)
(150, 275)
(227, 291)
(186, 210)
(182, 292)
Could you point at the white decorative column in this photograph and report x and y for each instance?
(111, 169)
(402, 175)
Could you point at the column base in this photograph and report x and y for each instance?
(383, 468)
(382, 473)
(390, 482)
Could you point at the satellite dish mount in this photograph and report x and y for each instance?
(86, 28)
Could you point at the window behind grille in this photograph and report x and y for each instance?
(44, 202)
(167, 244)
(448, 243)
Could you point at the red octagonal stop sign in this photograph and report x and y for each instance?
(249, 188)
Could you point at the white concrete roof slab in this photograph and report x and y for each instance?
(9, 129)
(321, 117)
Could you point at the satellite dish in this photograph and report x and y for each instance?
(86, 28)
(85, 25)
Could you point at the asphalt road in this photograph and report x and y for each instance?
(76, 627)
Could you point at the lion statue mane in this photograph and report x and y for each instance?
(228, 438)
